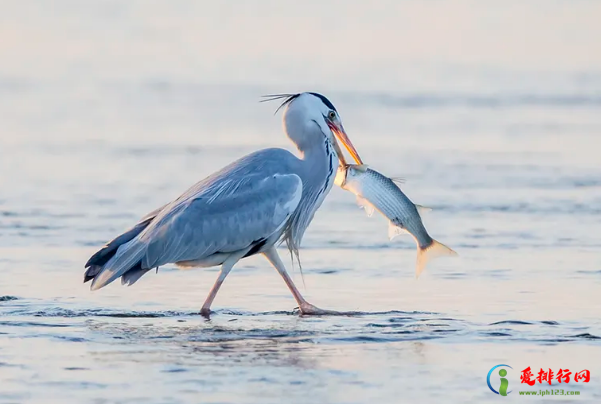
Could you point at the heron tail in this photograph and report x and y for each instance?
(425, 254)
(99, 261)
(130, 277)
(127, 258)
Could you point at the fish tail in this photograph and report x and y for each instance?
(434, 250)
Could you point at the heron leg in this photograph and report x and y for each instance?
(226, 267)
(304, 306)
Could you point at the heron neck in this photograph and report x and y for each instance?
(318, 167)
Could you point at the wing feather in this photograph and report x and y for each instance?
(236, 214)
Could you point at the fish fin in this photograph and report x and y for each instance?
(423, 209)
(434, 250)
(340, 178)
(394, 230)
(361, 167)
(365, 204)
(398, 180)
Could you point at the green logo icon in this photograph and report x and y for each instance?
(504, 382)
(503, 388)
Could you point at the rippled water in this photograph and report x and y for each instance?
(111, 109)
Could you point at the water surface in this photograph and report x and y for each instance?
(111, 109)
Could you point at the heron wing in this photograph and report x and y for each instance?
(239, 206)
(237, 214)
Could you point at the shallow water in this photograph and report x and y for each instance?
(110, 110)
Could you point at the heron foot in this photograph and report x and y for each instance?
(309, 310)
(205, 312)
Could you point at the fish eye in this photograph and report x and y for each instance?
(332, 115)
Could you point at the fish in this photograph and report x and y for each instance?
(375, 191)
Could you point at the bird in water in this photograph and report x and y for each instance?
(249, 207)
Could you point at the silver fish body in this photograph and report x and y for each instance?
(376, 191)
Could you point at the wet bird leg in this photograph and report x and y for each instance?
(304, 306)
(226, 267)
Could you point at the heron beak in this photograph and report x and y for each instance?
(341, 135)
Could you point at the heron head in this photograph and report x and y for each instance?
(309, 117)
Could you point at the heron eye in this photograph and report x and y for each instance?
(332, 115)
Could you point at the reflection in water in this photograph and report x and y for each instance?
(228, 326)
(181, 351)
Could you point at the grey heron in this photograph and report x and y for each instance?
(249, 207)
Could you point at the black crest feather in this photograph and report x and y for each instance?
(287, 99)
